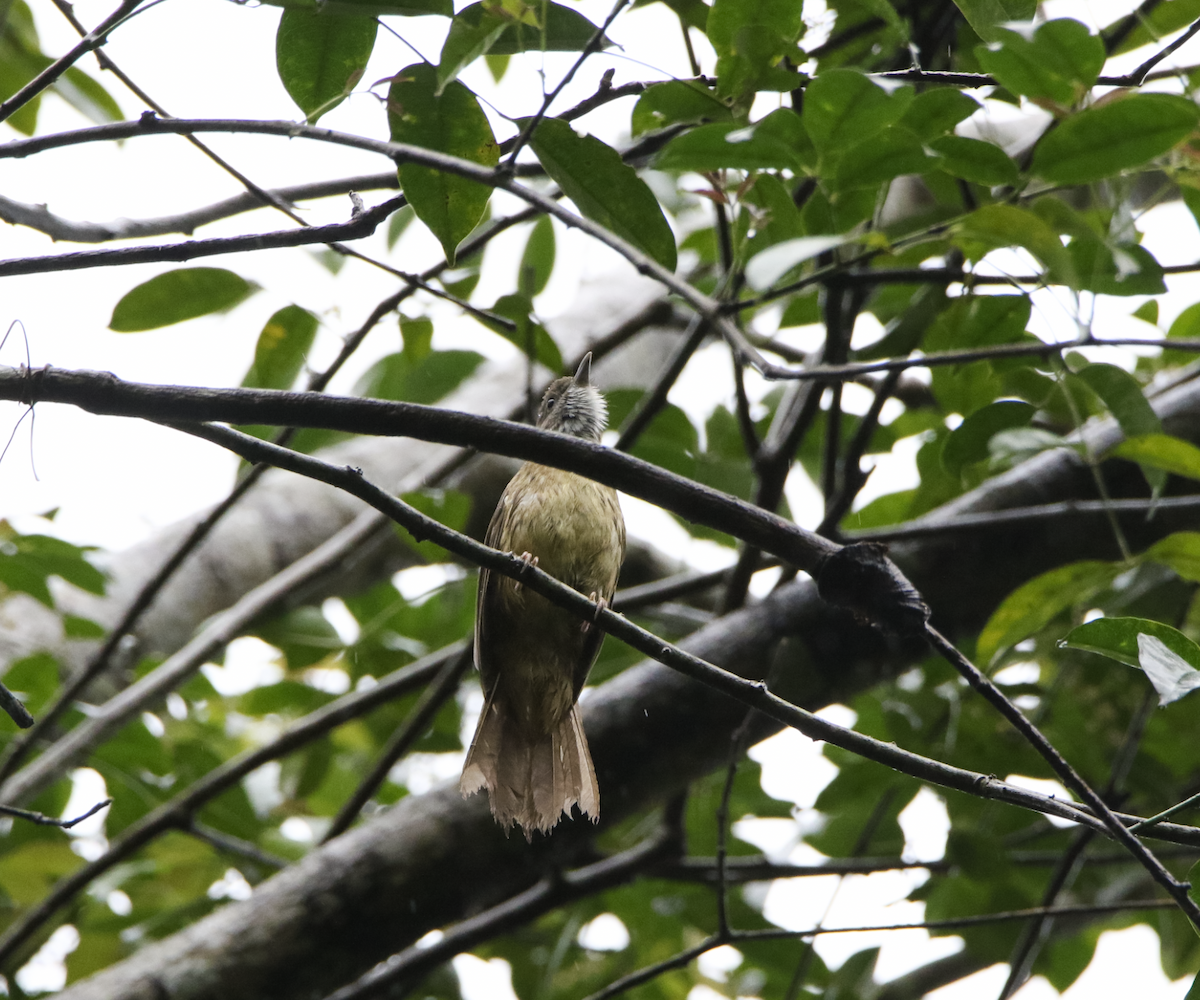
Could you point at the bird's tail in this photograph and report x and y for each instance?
(531, 783)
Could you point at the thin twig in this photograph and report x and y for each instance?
(988, 520)
(1033, 934)
(43, 820)
(223, 628)
(1066, 773)
(653, 401)
(401, 973)
(1138, 76)
(593, 45)
(97, 391)
(234, 845)
(648, 974)
(413, 728)
(405, 153)
(356, 228)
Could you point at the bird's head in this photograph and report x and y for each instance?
(574, 406)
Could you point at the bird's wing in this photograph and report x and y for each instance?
(595, 636)
(485, 605)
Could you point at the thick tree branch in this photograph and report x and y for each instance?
(100, 392)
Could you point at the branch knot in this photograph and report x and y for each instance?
(861, 578)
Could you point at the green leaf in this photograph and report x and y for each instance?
(968, 442)
(21, 59)
(451, 123)
(303, 635)
(321, 57)
(1180, 551)
(843, 108)
(1059, 63)
(398, 223)
(973, 321)
(177, 296)
(473, 32)
(1035, 604)
(562, 30)
(1123, 396)
(604, 188)
(766, 268)
(995, 226)
(27, 561)
(372, 8)
(985, 16)
(449, 507)
(537, 262)
(1193, 992)
(1102, 141)
(1115, 270)
(427, 380)
(937, 111)
(676, 102)
(1155, 24)
(750, 37)
(493, 30)
(776, 142)
(282, 347)
(1161, 451)
(519, 309)
(87, 96)
(1147, 312)
(34, 679)
(975, 161)
(1168, 657)
(887, 155)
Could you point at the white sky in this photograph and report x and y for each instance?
(210, 59)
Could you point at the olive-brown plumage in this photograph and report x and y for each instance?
(529, 749)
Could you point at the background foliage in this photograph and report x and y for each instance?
(827, 168)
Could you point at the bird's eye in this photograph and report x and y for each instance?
(550, 403)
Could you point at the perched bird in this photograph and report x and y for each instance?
(529, 750)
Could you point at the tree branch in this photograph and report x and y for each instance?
(357, 228)
(104, 393)
(39, 217)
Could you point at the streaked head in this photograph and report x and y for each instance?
(574, 406)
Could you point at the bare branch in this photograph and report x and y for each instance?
(43, 820)
(103, 392)
(39, 217)
(436, 695)
(357, 228)
(1068, 775)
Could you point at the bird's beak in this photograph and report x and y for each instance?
(583, 375)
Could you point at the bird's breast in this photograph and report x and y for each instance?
(571, 524)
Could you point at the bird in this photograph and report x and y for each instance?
(533, 657)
